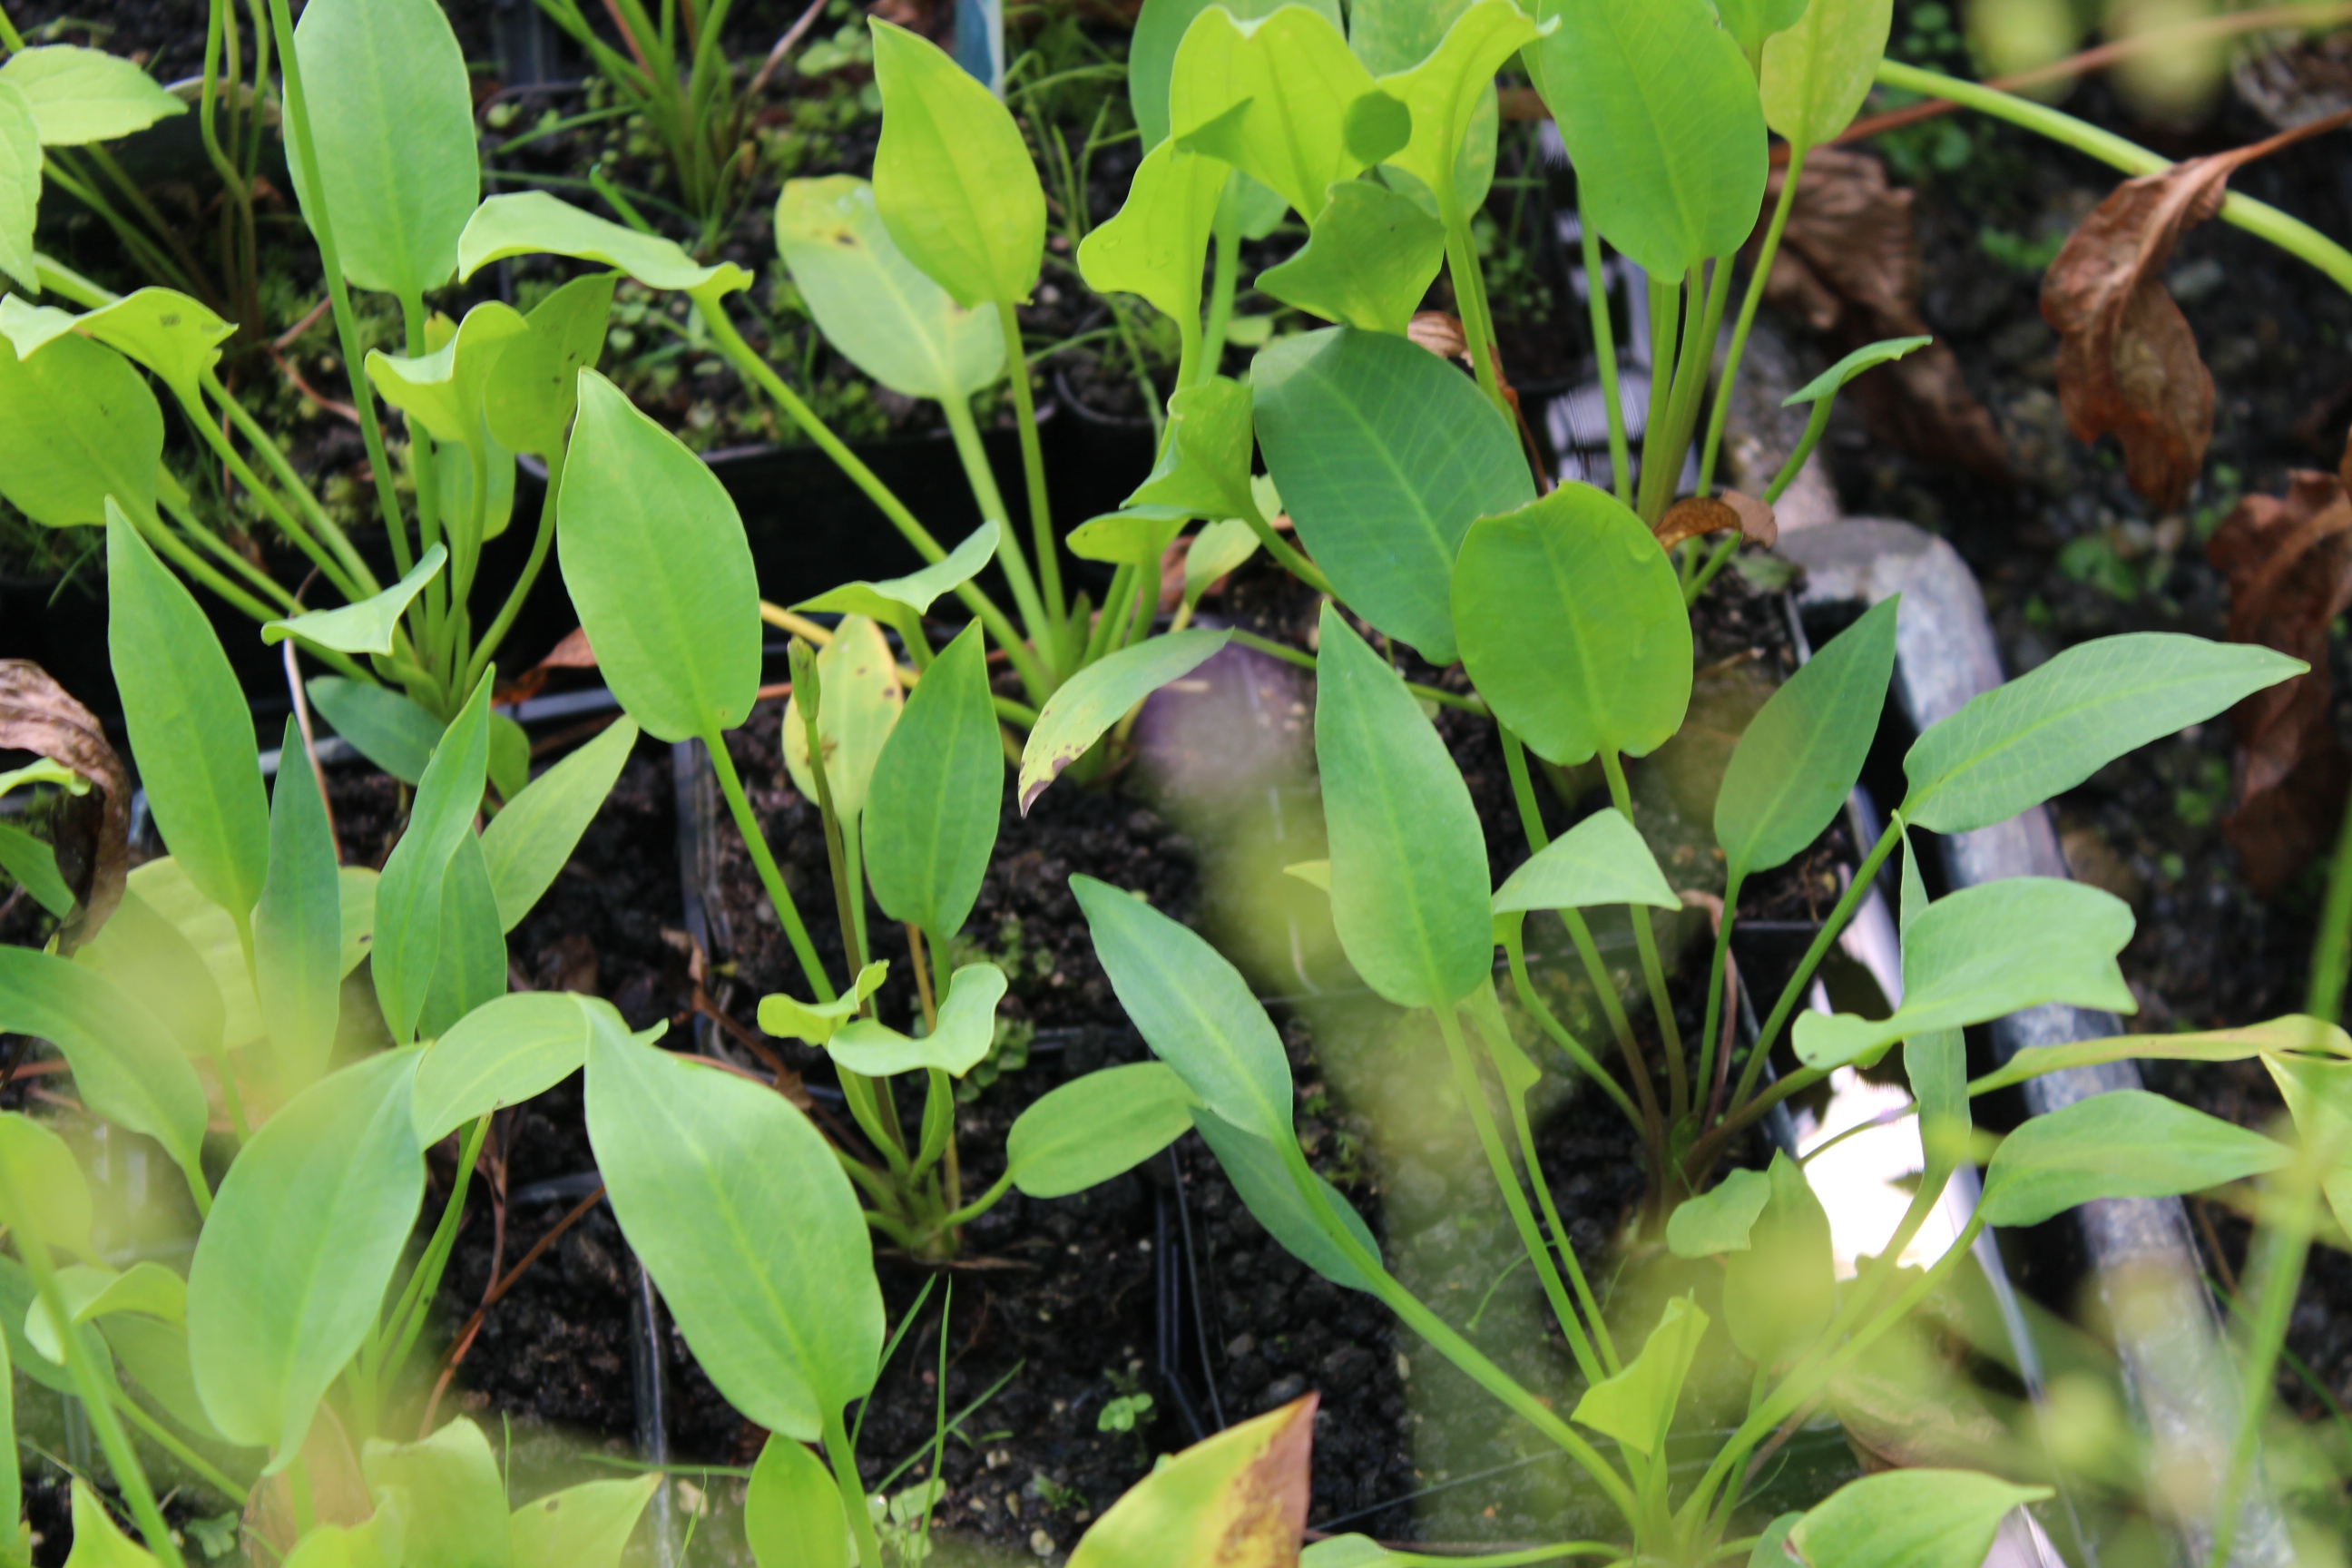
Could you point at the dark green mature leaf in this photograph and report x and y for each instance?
(1720, 1219)
(78, 426)
(394, 732)
(1257, 1170)
(1572, 624)
(290, 1270)
(1368, 261)
(1097, 1126)
(702, 1165)
(1156, 244)
(2043, 733)
(1099, 696)
(298, 926)
(188, 725)
(1637, 1405)
(931, 810)
(1160, 32)
(1659, 110)
(1816, 74)
(1278, 99)
(1384, 454)
(1802, 753)
(471, 969)
(1409, 890)
(504, 1053)
(1921, 1519)
(2126, 1144)
(952, 176)
(367, 625)
(1601, 860)
(1781, 1291)
(393, 119)
(534, 222)
(1192, 1008)
(456, 1516)
(527, 844)
(584, 1526)
(656, 560)
(411, 900)
(34, 864)
(792, 1515)
(79, 95)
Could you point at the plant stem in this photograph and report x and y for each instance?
(540, 545)
(1032, 469)
(1223, 279)
(1646, 940)
(982, 476)
(1515, 946)
(1306, 661)
(1716, 982)
(1604, 348)
(275, 462)
(1747, 306)
(2331, 949)
(853, 1491)
(780, 897)
(1470, 295)
(2286, 1249)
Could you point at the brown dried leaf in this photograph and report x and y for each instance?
(572, 653)
(1440, 331)
(1694, 515)
(91, 834)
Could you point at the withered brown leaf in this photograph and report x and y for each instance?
(1694, 515)
(91, 834)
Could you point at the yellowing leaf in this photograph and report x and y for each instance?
(1238, 1500)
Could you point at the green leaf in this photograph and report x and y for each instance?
(504, 1053)
(1204, 470)
(701, 1164)
(876, 307)
(148, 955)
(456, 1512)
(1384, 454)
(471, 969)
(1097, 1126)
(902, 601)
(298, 926)
(1255, 1169)
(1099, 696)
(1409, 890)
(1238, 1499)
(1220, 548)
(527, 844)
(1368, 261)
(389, 730)
(1750, 22)
(20, 189)
(1767, 1552)
(1870, 356)
(1782, 1291)
(1392, 36)
(2017, 745)
(154, 1356)
(1801, 754)
(1160, 32)
(1921, 1519)
(1601, 860)
(145, 1288)
(2292, 1033)
(534, 386)
(655, 557)
(952, 176)
(586, 1526)
(1985, 952)
(393, 121)
(411, 899)
(376, 1544)
(2126, 1144)
(533, 222)
(2318, 1095)
(1659, 110)
(1344, 1552)
(366, 626)
(18, 1296)
(443, 391)
(1720, 1220)
(34, 864)
(161, 329)
(816, 1022)
(1272, 97)
(49, 1182)
(13, 1549)
(1192, 1008)
(792, 1515)
(1155, 245)
(97, 1540)
(937, 791)
(1817, 73)
(78, 427)
(1937, 1065)
(78, 96)
(1637, 1405)
(1444, 90)
(858, 706)
(967, 1026)
(292, 1268)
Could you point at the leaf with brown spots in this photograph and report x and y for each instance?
(1694, 515)
(1238, 1500)
(92, 835)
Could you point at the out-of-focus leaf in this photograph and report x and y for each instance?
(585, 1526)
(1216, 552)
(298, 925)
(81, 95)
(2126, 1144)
(97, 1540)
(90, 839)
(49, 1182)
(1637, 1405)
(792, 1515)
(1921, 1519)
(1160, 32)
(20, 188)
(2318, 1095)
(1727, 512)
(1721, 1218)
(1781, 1290)
(1238, 1499)
(456, 1493)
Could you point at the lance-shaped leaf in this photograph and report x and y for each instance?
(149, 954)
(443, 391)
(1384, 455)
(1870, 356)
(78, 96)
(1099, 696)
(504, 1053)
(1817, 72)
(1572, 624)
(527, 844)
(366, 626)
(1155, 245)
(2278, 1037)
(1238, 1499)
(390, 730)
(89, 1291)
(1160, 32)
(1217, 551)
(2126, 1144)
(290, 1270)
(2318, 1095)
(1922, 1519)
(1204, 470)
(938, 793)
(1444, 90)
(1097, 1126)
(586, 1526)
(967, 1026)
(878, 309)
(1601, 860)
(33, 864)
(471, 969)
(188, 725)
(161, 329)
(902, 602)
(1660, 114)
(952, 176)
(1278, 98)
(792, 1513)
(1267, 1189)
(655, 557)
(20, 188)
(393, 121)
(456, 1516)
(410, 901)
(48, 1181)
(1409, 890)
(701, 1165)
(859, 705)
(1368, 261)
(298, 925)
(534, 386)
(12, 1484)
(1720, 1219)
(1801, 754)
(1986, 952)
(1637, 1405)
(2043, 733)
(78, 427)
(534, 222)
(815, 1022)
(1781, 1291)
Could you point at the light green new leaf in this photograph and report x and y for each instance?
(443, 391)
(586, 1526)
(527, 844)
(2018, 744)
(1257, 1170)
(534, 222)
(656, 561)
(34, 864)
(392, 121)
(367, 625)
(188, 725)
(89, 1293)
(702, 1166)
(411, 899)
(1601, 860)
(1390, 35)
(1781, 1292)
(952, 176)
(2318, 1095)
(815, 1022)
(1750, 22)
(298, 926)
(97, 1540)
(1920, 1519)
(858, 707)
(20, 188)
(471, 969)
(1097, 1126)
(1444, 90)
(1099, 696)
(148, 953)
(292, 1268)
(1659, 111)
(78, 427)
(456, 1514)
(1274, 97)
(1204, 470)
(1138, 538)
(1637, 1405)
(903, 601)
(1155, 245)
(42, 771)
(155, 1354)
(376, 1544)
(967, 1025)
(1573, 627)
(2126, 1144)
(876, 307)
(389, 730)
(13, 1549)
(1344, 1552)
(932, 809)
(792, 1515)
(1721, 1218)
(1385, 454)
(1870, 356)
(1192, 1008)
(1217, 550)
(161, 329)
(1409, 890)
(1986, 952)
(78, 96)
(48, 1181)
(534, 386)
(1160, 32)
(504, 1053)
(1801, 754)
(1368, 261)
(1817, 73)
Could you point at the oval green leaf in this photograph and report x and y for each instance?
(534, 222)
(78, 428)
(1818, 72)
(952, 177)
(2126, 1143)
(78, 96)
(586, 1526)
(792, 1515)
(1601, 860)
(1094, 1128)
(932, 809)
(1099, 696)
(1721, 1218)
